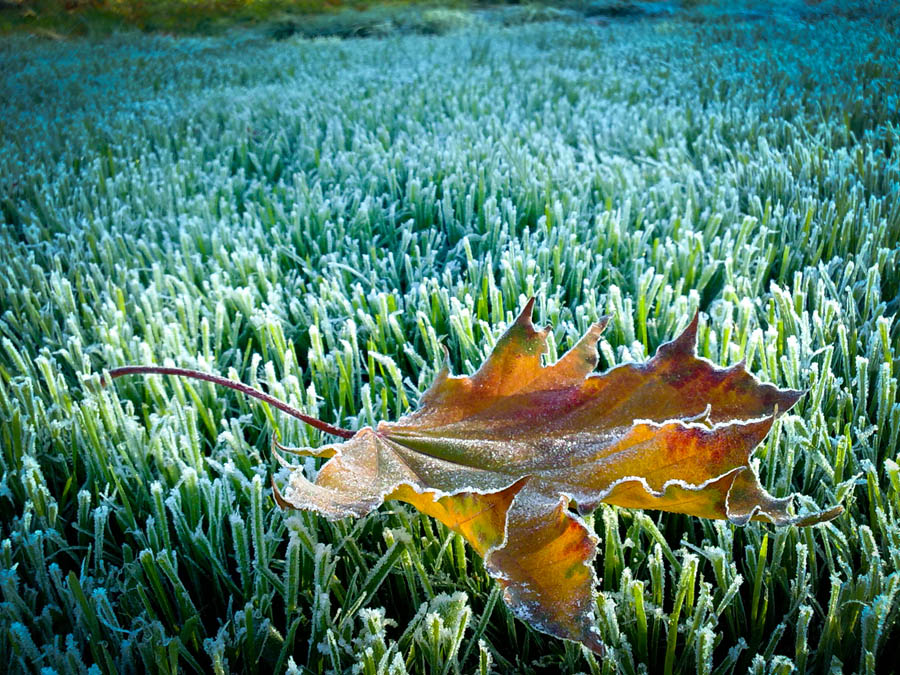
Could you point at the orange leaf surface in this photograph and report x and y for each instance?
(510, 456)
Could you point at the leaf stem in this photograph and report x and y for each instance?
(237, 386)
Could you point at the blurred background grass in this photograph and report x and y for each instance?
(344, 18)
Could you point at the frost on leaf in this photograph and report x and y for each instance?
(509, 457)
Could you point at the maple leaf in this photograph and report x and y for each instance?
(511, 457)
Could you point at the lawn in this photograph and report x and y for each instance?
(316, 217)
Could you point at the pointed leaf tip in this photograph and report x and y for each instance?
(819, 517)
(789, 398)
(591, 640)
(683, 344)
(277, 496)
(687, 341)
(526, 316)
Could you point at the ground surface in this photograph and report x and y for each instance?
(317, 216)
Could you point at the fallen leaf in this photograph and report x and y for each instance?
(503, 457)
(511, 457)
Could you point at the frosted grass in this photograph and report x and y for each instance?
(318, 217)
